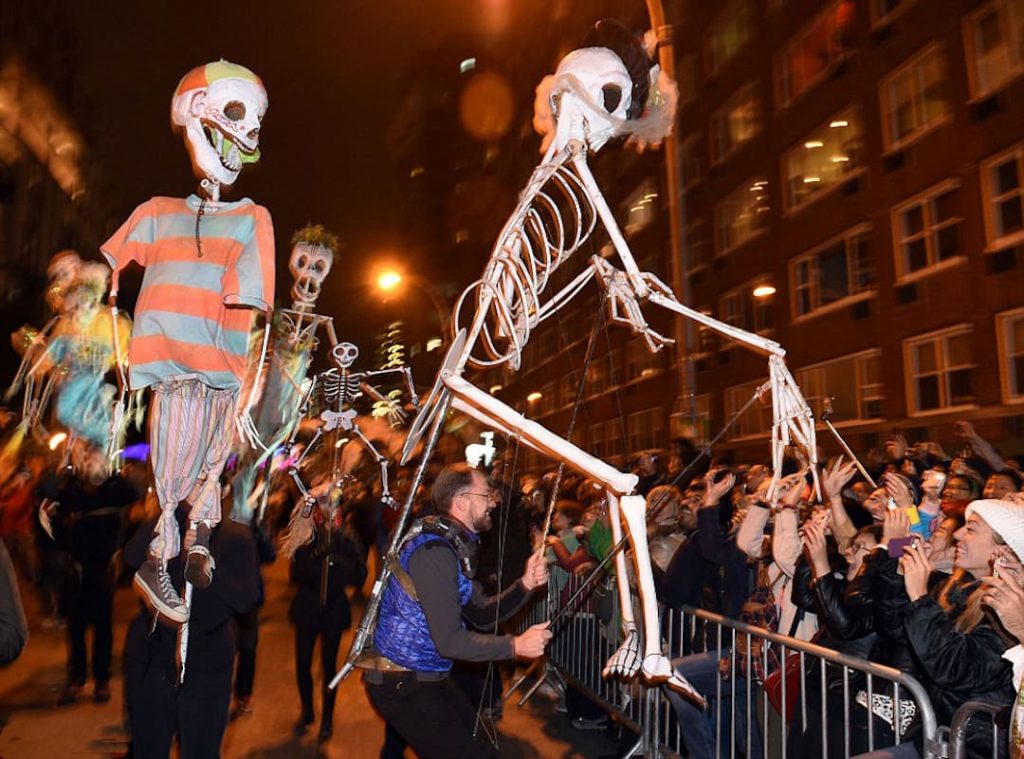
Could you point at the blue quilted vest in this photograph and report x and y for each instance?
(402, 633)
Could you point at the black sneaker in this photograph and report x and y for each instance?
(155, 584)
(69, 695)
(326, 731)
(302, 726)
(199, 563)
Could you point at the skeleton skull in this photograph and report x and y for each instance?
(591, 97)
(345, 354)
(62, 271)
(309, 265)
(220, 106)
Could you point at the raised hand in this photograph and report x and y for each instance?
(916, 570)
(836, 476)
(896, 524)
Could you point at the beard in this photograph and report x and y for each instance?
(484, 523)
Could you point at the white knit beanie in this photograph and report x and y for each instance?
(1006, 519)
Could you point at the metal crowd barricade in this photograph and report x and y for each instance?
(962, 718)
(827, 692)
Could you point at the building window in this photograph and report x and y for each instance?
(815, 50)
(691, 420)
(614, 444)
(741, 215)
(839, 269)
(883, 11)
(749, 307)
(914, 97)
(826, 157)
(757, 419)
(597, 440)
(567, 389)
(926, 229)
(641, 207)
(939, 370)
(994, 37)
(645, 429)
(548, 400)
(727, 34)
(735, 123)
(1002, 180)
(1010, 335)
(640, 361)
(698, 245)
(853, 384)
(693, 164)
(597, 375)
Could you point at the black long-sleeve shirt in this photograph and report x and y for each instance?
(434, 571)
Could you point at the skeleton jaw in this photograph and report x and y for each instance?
(231, 153)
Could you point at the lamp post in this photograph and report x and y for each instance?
(683, 328)
(389, 281)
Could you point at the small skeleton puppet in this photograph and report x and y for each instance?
(209, 267)
(31, 343)
(84, 343)
(294, 338)
(340, 389)
(608, 90)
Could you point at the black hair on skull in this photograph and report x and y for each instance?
(627, 45)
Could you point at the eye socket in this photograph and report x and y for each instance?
(235, 110)
(612, 97)
(318, 266)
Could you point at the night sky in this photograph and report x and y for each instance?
(333, 71)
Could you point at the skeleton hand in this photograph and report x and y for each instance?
(247, 430)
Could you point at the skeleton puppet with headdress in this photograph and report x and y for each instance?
(295, 336)
(209, 265)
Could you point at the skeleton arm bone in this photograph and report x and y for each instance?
(381, 462)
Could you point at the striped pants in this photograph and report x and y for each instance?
(191, 429)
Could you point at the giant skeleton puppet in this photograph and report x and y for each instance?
(591, 99)
(295, 335)
(209, 265)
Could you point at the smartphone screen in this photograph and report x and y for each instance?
(896, 546)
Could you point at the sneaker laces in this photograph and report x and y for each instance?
(166, 586)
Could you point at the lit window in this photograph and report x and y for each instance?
(735, 123)
(994, 37)
(852, 383)
(757, 419)
(741, 215)
(815, 50)
(915, 96)
(926, 229)
(640, 361)
(1002, 182)
(1010, 334)
(597, 375)
(939, 370)
(645, 429)
(727, 34)
(433, 344)
(641, 207)
(832, 272)
(824, 158)
(741, 308)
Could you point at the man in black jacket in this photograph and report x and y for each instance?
(161, 705)
(90, 510)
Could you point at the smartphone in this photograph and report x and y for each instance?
(896, 546)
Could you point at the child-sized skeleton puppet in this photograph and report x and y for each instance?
(341, 388)
(295, 335)
(209, 265)
(69, 358)
(606, 91)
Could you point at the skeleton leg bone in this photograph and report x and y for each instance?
(625, 662)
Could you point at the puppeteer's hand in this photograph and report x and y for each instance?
(531, 644)
(536, 572)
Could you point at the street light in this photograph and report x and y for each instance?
(390, 281)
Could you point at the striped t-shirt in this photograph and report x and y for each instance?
(194, 312)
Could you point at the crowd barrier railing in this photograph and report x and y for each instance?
(957, 731)
(814, 698)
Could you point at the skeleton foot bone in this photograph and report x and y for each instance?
(625, 662)
(658, 669)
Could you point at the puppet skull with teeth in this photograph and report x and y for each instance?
(309, 265)
(220, 106)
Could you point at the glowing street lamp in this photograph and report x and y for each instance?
(388, 280)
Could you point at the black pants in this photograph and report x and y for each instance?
(305, 639)
(90, 603)
(248, 638)
(197, 711)
(434, 717)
